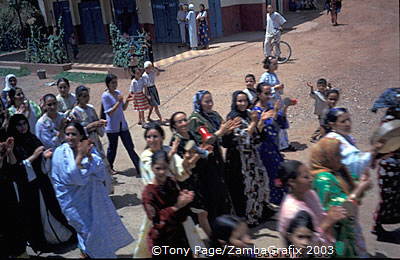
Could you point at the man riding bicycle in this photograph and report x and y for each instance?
(273, 31)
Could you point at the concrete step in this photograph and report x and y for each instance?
(88, 71)
(10, 67)
(91, 66)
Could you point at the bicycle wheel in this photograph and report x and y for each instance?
(285, 51)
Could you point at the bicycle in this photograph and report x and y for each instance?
(286, 51)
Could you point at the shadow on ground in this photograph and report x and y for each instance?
(126, 200)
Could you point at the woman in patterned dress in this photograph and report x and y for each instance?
(203, 27)
(269, 149)
(246, 175)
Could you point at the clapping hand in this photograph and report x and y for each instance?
(48, 153)
(84, 148)
(184, 198)
(254, 116)
(267, 115)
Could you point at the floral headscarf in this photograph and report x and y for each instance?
(212, 116)
(324, 158)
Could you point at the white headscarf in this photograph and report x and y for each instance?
(191, 6)
(7, 85)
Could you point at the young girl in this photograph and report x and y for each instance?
(49, 128)
(140, 102)
(66, 100)
(270, 77)
(166, 206)
(332, 97)
(114, 106)
(230, 231)
(19, 104)
(250, 90)
(85, 114)
(300, 234)
(149, 77)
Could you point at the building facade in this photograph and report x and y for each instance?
(90, 19)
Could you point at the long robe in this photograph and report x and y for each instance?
(245, 173)
(191, 17)
(84, 201)
(211, 171)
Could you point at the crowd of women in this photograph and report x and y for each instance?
(223, 173)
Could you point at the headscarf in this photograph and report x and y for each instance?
(191, 6)
(324, 158)
(210, 117)
(7, 85)
(389, 99)
(234, 110)
(24, 144)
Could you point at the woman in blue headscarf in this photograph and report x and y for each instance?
(210, 170)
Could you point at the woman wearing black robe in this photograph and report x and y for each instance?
(48, 229)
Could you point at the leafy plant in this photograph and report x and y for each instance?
(128, 51)
(46, 50)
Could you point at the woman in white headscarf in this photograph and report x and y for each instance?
(10, 83)
(191, 18)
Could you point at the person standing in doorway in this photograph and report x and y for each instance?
(203, 27)
(191, 19)
(181, 17)
(273, 31)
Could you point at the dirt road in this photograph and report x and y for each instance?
(360, 57)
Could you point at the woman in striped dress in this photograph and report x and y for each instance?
(140, 102)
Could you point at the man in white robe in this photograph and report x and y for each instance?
(273, 31)
(191, 18)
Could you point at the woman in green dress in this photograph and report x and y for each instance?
(210, 171)
(335, 187)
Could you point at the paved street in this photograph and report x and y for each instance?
(360, 57)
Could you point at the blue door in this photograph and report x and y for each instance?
(214, 12)
(166, 25)
(126, 17)
(61, 9)
(92, 22)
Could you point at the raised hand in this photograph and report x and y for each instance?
(48, 153)
(84, 148)
(336, 214)
(254, 116)
(9, 145)
(267, 114)
(175, 146)
(184, 198)
(310, 85)
(38, 151)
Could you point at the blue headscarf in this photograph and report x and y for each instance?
(211, 117)
(389, 99)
